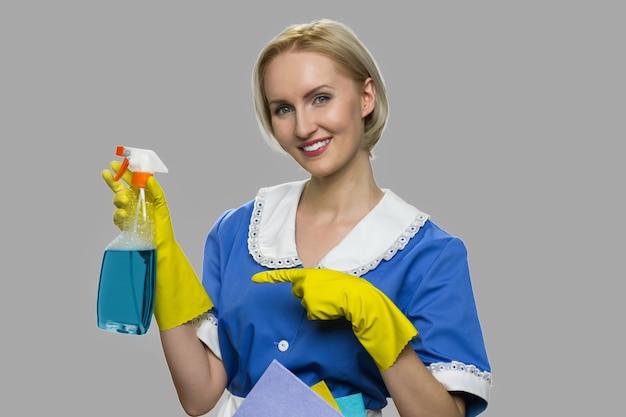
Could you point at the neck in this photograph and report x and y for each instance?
(346, 194)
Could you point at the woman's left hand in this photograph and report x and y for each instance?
(380, 326)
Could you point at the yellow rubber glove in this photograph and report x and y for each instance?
(179, 295)
(122, 194)
(376, 321)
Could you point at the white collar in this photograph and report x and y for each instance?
(379, 235)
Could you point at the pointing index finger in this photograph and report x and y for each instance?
(279, 275)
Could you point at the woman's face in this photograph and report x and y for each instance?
(317, 112)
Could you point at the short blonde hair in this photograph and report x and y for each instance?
(337, 42)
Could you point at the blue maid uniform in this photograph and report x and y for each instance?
(396, 247)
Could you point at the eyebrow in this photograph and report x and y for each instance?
(308, 94)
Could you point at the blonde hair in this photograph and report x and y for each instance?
(337, 42)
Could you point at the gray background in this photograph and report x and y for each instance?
(506, 123)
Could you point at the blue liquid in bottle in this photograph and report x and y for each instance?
(126, 291)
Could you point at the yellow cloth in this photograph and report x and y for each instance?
(323, 391)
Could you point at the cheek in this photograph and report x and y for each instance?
(350, 109)
(346, 119)
(282, 129)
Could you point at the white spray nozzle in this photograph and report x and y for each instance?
(142, 162)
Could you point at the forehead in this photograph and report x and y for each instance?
(293, 71)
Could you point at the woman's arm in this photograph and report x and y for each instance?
(416, 392)
(198, 375)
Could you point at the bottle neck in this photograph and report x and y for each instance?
(140, 179)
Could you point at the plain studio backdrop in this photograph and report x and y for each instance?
(506, 126)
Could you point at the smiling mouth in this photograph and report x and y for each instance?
(315, 146)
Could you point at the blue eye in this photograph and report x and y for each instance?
(321, 99)
(280, 110)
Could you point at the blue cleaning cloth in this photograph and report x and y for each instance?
(279, 393)
(352, 405)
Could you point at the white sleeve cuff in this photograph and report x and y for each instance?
(457, 376)
(206, 330)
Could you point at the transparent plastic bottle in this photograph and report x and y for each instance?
(126, 289)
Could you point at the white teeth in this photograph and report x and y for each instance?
(316, 145)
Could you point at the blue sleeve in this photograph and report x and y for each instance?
(213, 263)
(450, 339)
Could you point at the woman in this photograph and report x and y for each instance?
(337, 279)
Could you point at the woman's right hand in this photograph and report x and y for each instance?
(180, 296)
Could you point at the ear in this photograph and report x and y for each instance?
(368, 97)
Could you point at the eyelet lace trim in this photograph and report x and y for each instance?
(461, 367)
(260, 258)
(399, 244)
(204, 317)
(253, 241)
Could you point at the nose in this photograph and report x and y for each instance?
(305, 124)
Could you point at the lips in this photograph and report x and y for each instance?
(315, 148)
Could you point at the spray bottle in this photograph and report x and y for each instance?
(128, 273)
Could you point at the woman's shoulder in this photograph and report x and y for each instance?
(272, 195)
(279, 192)
(424, 229)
